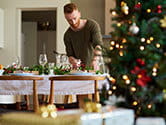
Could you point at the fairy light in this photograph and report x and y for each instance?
(154, 74)
(127, 81)
(117, 45)
(121, 47)
(111, 48)
(110, 92)
(148, 10)
(142, 48)
(124, 40)
(114, 87)
(113, 13)
(148, 41)
(143, 39)
(112, 79)
(125, 77)
(112, 43)
(151, 38)
(157, 45)
(154, 69)
(139, 76)
(121, 53)
(133, 89)
(135, 103)
(119, 24)
(149, 106)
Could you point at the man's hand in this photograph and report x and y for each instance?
(75, 62)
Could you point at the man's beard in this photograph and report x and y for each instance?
(75, 26)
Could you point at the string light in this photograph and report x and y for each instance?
(111, 48)
(113, 13)
(135, 103)
(127, 81)
(119, 24)
(112, 43)
(148, 41)
(157, 45)
(125, 77)
(154, 74)
(110, 92)
(124, 40)
(114, 87)
(143, 39)
(112, 79)
(121, 53)
(151, 38)
(117, 45)
(154, 69)
(148, 10)
(133, 89)
(142, 48)
(149, 106)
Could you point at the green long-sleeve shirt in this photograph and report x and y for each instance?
(80, 44)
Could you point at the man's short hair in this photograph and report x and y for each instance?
(68, 8)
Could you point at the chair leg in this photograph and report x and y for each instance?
(18, 105)
(27, 102)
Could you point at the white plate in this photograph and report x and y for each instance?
(21, 74)
(81, 73)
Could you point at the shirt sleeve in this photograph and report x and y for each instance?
(68, 45)
(96, 35)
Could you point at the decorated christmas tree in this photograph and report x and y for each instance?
(138, 56)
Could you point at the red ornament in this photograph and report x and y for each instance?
(137, 6)
(136, 70)
(140, 62)
(159, 7)
(143, 80)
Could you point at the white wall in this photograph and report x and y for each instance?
(1, 27)
(12, 25)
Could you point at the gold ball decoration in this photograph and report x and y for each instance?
(48, 111)
(163, 22)
(124, 8)
(92, 107)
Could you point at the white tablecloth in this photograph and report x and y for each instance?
(24, 87)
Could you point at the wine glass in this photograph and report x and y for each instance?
(42, 61)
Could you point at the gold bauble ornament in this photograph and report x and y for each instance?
(163, 22)
(92, 107)
(124, 8)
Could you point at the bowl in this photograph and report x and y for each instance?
(1, 71)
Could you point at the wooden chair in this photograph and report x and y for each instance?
(76, 78)
(34, 79)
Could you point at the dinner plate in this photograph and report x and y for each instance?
(81, 73)
(21, 74)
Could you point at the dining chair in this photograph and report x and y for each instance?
(34, 79)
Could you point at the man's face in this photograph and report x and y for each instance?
(73, 18)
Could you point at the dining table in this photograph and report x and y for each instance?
(61, 89)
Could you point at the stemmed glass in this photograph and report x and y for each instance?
(42, 61)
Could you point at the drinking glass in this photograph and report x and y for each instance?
(42, 61)
(58, 59)
(51, 68)
(101, 64)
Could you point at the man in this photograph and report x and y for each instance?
(81, 37)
